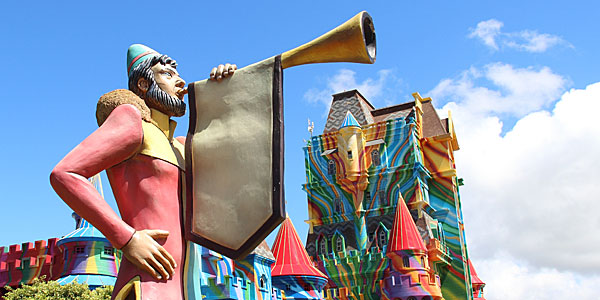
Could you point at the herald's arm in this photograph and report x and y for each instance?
(116, 140)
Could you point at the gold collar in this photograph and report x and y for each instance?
(164, 123)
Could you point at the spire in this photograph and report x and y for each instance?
(475, 280)
(290, 256)
(405, 235)
(349, 121)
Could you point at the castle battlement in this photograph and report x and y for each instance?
(21, 263)
(411, 280)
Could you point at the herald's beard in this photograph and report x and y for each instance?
(158, 99)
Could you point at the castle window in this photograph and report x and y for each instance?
(382, 238)
(339, 245)
(411, 298)
(109, 250)
(337, 205)
(406, 261)
(263, 282)
(79, 249)
(367, 197)
(349, 154)
(381, 196)
(375, 157)
(323, 245)
(331, 167)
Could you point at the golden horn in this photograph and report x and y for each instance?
(353, 41)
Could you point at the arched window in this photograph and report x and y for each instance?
(381, 196)
(323, 245)
(331, 167)
(406, 261)
(411, 298)
(263, 282)
(339, 244)
(375, 157)
(381, 238)
(337, 205)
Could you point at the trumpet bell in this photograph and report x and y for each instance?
(353, 41)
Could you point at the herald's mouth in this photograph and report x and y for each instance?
(181, 92)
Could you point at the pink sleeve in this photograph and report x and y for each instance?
(116, 140)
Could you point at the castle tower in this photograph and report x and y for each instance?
(88, 256)
(353, 175)
(293, 271)
(404, 149)
(477, 283)
(409, 274)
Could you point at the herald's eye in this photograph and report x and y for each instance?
(167, 74)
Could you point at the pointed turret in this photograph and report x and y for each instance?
(405, 235)
(409, 274)
(477, 283)
(349, 120)
(293, 270)
(290, 256)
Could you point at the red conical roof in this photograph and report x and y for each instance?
(290, 256)
(405, 235)
(474, 278)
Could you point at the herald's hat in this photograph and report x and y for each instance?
(136, 54)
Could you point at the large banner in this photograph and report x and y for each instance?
(234, 159)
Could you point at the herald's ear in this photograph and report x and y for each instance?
(143, 85)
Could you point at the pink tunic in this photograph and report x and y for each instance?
(147, 191)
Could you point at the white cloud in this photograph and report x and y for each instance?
(509, 278)
(490, 33)
(516, 92)
(487, 31)
(373, 89)
(532, 192)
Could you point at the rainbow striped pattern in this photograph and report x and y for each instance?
(247, 279)
(351, 181)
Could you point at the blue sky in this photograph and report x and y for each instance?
(518, 75)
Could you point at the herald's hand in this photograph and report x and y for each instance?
(144, 252)
(222, 71)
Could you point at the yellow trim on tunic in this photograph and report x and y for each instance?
(133, 286)
(159, 142)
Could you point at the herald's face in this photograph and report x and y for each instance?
(168, 80)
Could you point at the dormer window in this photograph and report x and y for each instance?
(79, 249)
(375, 158)
(331, 167)
(382, 238)
(337, 205)
(381, 196)
(323, 246)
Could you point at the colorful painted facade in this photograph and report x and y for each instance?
(84, 256)
(358, 171)
(384, 214)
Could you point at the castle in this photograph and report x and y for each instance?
(384, 203)
(384, 215)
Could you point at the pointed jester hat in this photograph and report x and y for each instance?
(138, 53)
